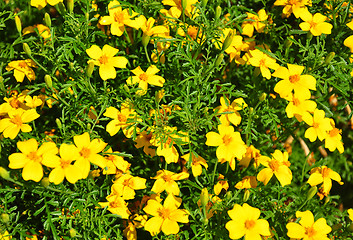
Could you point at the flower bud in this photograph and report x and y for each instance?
(58, 123)
(288, 43)
(218, 12)
(204, 197)
(329, 57)
(311, 193)
(90, 69)
(45, 182)
(184, 4)
(61, 8)
(126, 88)
(18, 25)
(27, 49)
(159, 95)
(219, 59)
(4, 173)
(5, 218)
(145, 40)
(251, 110)
(204, 3)
(72, 232)
(89, 126)
(309, 36)
(246, 195)
(263, 97)
(2, 86)
(70, 5)
(48, 81)
(228, 41)
(47, 20)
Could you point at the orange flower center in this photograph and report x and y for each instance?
(119, 17)
(167, 178)
(163, 213)
(65, 163)
(294, 78)
(17, 120)
(292, 2)
(249, 224)
(227, 139)
(310, 232)
(262, 63)
(143, 77)
(316, 125)
(122, 117)
(274, 165)
(23, 65)
(312, 24)
(85, 152)
(126, 182)
(296, 102)
(103, 59)
(15, 103)
(169, 141)
(334, 132)
(33, 157)
(325, 172)
(115, 204)
(192, 32)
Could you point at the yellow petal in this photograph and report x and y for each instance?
(57, 175)
(32, 171)
(94, 52)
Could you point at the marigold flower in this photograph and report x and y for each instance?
(196, 163)
(350, 213)
(293, 6)
(229, 144)
(88, 151)
(116, 205)
(5, 236)
(221, 184)
(143, 139)
(104, 58)
(245, 222)
(165, 217)
(118, 18)
(229, 111)
(319, 125)
(263, 61)
(145, 78)
(176, 8)
(299, 106)
(210, 203)
(247, 182)
(31, 158)
(138, 221)
(308, 228)
(254, 21)
(150, 30)
(126, 185)
(42, 3)
(251, 153)
(348, 42)
(333, 139)
(279, 166)
(115, 162)
(166, 181)
(16, 121)
(43, 30)
(324, 175)
(22, 68)
(315, 23)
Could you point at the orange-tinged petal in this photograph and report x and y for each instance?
(117, 29)
(32, 171)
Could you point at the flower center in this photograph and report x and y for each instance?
(119, 17)
(22, 65)
(115, 204)
(296, 102)
(15, 103)
(65, 163)
(334, 132)
(17, 120)
(325, 172)
(85, 152)
(192, 32)
(294, 78)
(249, 224)
(33, 156)
(103, 59)
(167, 178)
(163, 213)
(310, 232)
(227, 139)
(316, 125)
(122, 117)
(126, 182)
(143, 77)
(274, 165)
(262, 63)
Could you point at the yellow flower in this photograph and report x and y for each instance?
(150, 30)
(145, 78)
(176, 8)
(247, 182)
(229, 111)
(62, 166)
(245, 222)
(21, 69)
(115, 162)
(31, 157)
(263, 61)
(211, 201)
(5, 236)
(348, 42)
(166, 181)
(254, 22)
(120, 120)
(315, 23)
(350, 213)
(42, 3)
(126, 185)
(158, 55)
(88, 151)
(279, 166)
(136, 221)
(333, 139)
(196, 163)
(293, 6)
(144, 140)
(307, 228)
(104, 58)
(251, 153)
(16, 121)
(299, 106)
(324, 175)
(229, 144)
(165, 217)
(116, 205)
(293, 80)
(319, 125)
(221, 184)
(118, 18)
(42, 30)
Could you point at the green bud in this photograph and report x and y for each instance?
(311, 193)
(2, 86)
(70, 5)
(27, 49)
(251, 110)
(218, 12)
(47, 20)
(309, 36)
(228, 41)
(329, 57)
(89, 69)
(204, 197)
(18, 25)
(263, 97)
(126, 88)
(184, 3)
(219, 59)
(72, 232)
(45, 182)
(288, 43)
(204, 3)
(48, 81)
(246, 195)
(5, 218)
(145, 40)
(89, 126)
(205, 221)
(58, 123)
(4, 173)
(61, 8)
